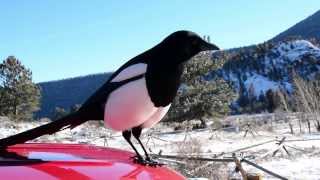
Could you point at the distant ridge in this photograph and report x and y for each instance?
(66, 93)
(307, 28)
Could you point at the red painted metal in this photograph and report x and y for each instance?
(75, 161)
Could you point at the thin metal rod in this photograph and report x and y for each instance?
(195, 158)
(264, 169)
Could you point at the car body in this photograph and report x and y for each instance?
(75, 161)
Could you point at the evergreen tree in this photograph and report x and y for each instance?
(262, 97)
(199, 98)
(252, 98)
(74, 108)
(272, 101)
(19, 95)
(59, 113)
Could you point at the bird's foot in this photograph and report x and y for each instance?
(153, 162)
(146, 161)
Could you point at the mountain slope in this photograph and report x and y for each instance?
(306, 29)
(68, 92)
(269, 66)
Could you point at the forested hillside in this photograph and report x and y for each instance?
(68, 92)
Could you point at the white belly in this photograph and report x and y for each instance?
(130, 106)
(156, 117)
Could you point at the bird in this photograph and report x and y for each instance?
(136, 96)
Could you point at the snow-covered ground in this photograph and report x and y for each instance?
(302, 164)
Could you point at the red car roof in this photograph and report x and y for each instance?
(75, 161)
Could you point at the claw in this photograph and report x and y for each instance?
(154, 163)
(146, 162)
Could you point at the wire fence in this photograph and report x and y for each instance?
(241, 154)
(237, 156)
(232, 156)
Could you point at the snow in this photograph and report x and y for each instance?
(288, 86)
(301, 168)
(295, 49)
(260, 84)
(233, 78)
(301, 165)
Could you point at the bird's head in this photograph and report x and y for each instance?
(185, 44)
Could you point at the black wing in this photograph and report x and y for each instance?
(92, 109)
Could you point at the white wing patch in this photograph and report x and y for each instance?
(130, 72)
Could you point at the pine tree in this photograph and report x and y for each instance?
(199, 98)
(252, 98)
(74, 108)
(59, 113)
(19, 95)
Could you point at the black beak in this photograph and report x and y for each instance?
(208, 46)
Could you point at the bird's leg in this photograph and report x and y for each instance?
(127, 136)
(136, 132)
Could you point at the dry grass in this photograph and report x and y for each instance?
(194, 168)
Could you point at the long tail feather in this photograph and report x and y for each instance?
(69, 121)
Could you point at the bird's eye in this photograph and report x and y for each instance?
(194, 42)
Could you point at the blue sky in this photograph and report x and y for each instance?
(59, 39)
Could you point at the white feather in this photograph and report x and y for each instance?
(130, 72)
(129, 106)
(156, 117)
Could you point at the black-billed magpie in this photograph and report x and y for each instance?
(136, 96)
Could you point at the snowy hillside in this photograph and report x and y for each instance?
(255, 70)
